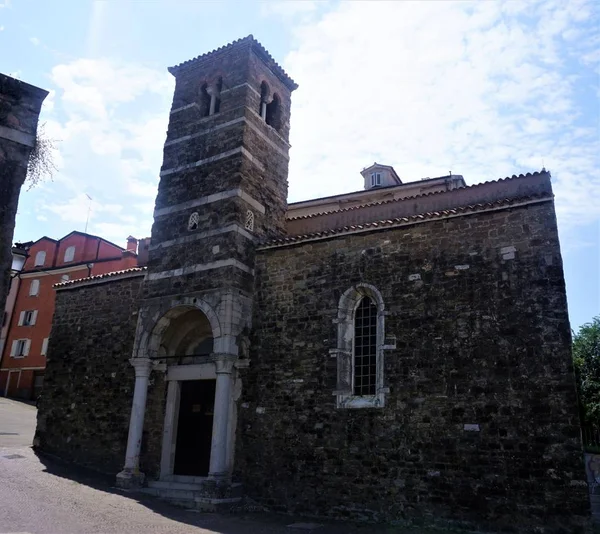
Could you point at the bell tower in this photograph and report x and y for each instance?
(223, 188)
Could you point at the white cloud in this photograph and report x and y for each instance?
(34, 40)
(484, 89)
(110, 120)
(289, 9)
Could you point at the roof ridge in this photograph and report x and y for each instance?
(387, 201)
(395, 221)
(268, 59)
(99, 276)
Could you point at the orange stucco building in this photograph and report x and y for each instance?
(27, 325)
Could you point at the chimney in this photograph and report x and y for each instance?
(142, 258)
(132, 243)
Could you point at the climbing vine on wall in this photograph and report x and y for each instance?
(41, 165)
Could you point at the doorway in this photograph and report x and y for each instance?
(194, 427)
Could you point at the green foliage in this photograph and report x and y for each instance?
(586, 358)
(41, 160)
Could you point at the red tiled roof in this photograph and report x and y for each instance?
(261, 52)
(114, 274)
(402, 199)
(400, 221)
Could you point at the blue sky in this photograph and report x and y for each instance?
(482, 89)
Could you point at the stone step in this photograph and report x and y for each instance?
(185, 478)
(163, 484)
(234, 490)
(193, 499)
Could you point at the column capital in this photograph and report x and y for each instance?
(224, 362)
(142, 366)
(213, 89)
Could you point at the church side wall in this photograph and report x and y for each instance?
(85, 405)
(480, 425)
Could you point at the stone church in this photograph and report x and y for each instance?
(400, 353)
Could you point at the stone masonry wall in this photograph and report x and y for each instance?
(85, 406)
(20, 105)
(480, 425)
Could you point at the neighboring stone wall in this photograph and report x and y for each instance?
(86, 401)
(481, 423)
(20, 105)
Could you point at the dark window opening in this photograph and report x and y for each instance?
(204, 101)
(218, 96)
(365, 348)
(273, 113)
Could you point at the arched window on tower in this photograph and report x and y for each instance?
(265, 93)
(204, 100)
(217, 96)
(273, 112)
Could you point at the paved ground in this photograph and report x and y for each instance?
(39, 495)
(17, 423)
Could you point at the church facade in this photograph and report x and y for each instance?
(399, 353)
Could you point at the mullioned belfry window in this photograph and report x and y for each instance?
(360, 348)
(270, 106)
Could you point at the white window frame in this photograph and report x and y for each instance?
(344, 352)
(40, 258)
(34, 287)
(69, 254)
(27, 318)
(375, 179)
(20, 348)
(44, 347)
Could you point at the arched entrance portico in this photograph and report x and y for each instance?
(187, 441)
(199, 422)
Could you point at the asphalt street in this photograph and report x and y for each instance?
(40, 495)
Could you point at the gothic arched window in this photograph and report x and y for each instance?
(360, 346)
(365, 347)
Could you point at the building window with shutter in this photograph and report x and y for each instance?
(44, 346)
(20, 348)
(40, 258)
(69, 254)
(27, 318)
(34, 288)
(359, 351)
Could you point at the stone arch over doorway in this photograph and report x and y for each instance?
(180, 320)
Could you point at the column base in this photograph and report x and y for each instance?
(220, 477)
(128, 479)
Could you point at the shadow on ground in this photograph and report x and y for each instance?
(233, 523)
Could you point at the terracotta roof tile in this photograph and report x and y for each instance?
(100, 276)
(259, 48)
(399, 221)
(388, 201)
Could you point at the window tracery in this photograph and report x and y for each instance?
(193, 221)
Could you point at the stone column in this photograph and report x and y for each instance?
(214, 93)
(131, 476)
(218, 451)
